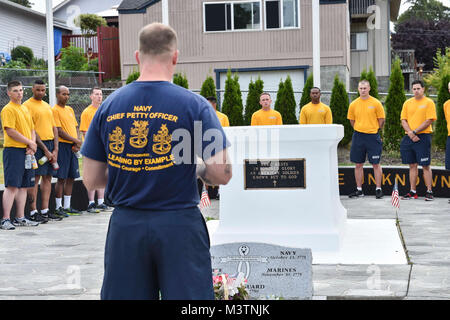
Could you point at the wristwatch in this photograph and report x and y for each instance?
(415, 133)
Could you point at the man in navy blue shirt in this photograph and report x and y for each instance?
(143, 145)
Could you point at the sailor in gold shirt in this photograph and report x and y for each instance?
(366, 115)
(447, 118)
(87, 115)
(19, 143)
(418, 113)
(266, 116)
(69, 144)
(48, 146)
(315, 112)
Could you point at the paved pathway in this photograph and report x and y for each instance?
(64, 260)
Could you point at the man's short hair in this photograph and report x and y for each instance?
(157, 39)
(212, 99)
(264, 94)
(315, 88)
(39, 82)
(95, 88)
(418, 82)
(364, 81)
(58, 89)
(13, 83)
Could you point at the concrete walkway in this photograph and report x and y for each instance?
(64, 260)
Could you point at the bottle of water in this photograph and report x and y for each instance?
(55, 165)
(78, 154)
(28, 164)
(34, 162)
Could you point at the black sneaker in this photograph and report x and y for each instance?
(61, 212)
(410, 195)
(429, 196)
(92, 209)
(37, 217)
(103, 207)
(72, 212)
(378, 193)
(52, 216)
(356, 194)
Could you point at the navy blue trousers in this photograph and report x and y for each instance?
(152, 252)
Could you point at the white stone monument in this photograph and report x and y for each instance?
(284, 188)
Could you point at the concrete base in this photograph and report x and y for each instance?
(366, 241)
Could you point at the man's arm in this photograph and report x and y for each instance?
(215, 170)
(95, 174)
(16, 135)
(42, 146)
(381, 122)
(55, 143)
(409, 132)
(64, 135)
(352, 122)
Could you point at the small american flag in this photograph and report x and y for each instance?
(204, 199)
(395, 198)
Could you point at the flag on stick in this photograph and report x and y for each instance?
(204, 199)
(395, 198)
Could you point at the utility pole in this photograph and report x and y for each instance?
(316, 41)
(50, 54)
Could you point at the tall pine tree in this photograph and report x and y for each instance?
(232, 101)
(289, 103)
(339, 108)
(279, 101)
(305, 99)
(373, 83)
(393, 131)
(440, 131)
(181, 80)
(252, 103)
(208, 88)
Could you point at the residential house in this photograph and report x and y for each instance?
(20, 25)
(68, 10)
(370, 38)
(267, 38)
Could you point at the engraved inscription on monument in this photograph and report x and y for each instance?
(274, 174)
(269, 269)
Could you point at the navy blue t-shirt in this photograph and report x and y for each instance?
(145, 133)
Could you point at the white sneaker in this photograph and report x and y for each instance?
(6, 225)
(24, 222)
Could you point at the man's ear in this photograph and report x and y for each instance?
(175, 57)
(136, 56)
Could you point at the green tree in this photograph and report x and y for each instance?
(373, 83)
(441, 69)
(279, 103)
(252, 103)
(232, 101)
(288, 100)
(305, 99)
(440, 130)
(393, 131)
(428, 10)
(181, 80)
(133, 76)
(25, 3)
(23, 54)
(208, 88)
(72, 59)
(339, 107)
(88, 23)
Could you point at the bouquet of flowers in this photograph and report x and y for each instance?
(230, 288)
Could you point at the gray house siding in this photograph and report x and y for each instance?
(203, 52)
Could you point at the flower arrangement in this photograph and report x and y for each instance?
(230, 288)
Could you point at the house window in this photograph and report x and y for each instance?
(358, 41)
(281, 14)
(230, 16)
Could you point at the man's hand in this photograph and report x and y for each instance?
(413, 136)
(33, 146)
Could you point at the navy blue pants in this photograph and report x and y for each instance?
(67, 161)
(148, 252)
(14, 170)
(366, 144)
(447, 154)
(46, 169)
(416, 152)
